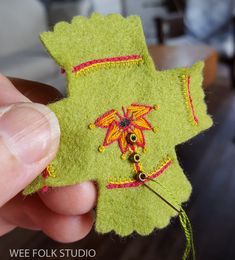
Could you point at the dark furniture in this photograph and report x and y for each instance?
(169, 57)
(176, 27)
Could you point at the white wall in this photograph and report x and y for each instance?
(146, 9)
(107, 6)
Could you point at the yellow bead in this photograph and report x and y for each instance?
(123, 156)
(155, 130)
(156, 107)
(101, 148)
(145, 150)
(92, 126)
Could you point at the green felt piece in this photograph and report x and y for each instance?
(123, 210)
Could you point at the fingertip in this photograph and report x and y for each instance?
(71, 200)
(31, 212)
(69, 229)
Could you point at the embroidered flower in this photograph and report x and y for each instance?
(119, 126)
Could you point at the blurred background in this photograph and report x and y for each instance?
(178, 33)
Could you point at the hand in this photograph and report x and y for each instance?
(29, 139)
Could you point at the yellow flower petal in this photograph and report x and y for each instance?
(123, 142)
(113, 134)
(143, 124)
(140, 137)
(106, 119)
(138, 110)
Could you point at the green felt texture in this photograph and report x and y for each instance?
(123, 210)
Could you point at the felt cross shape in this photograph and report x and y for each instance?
(121, 121)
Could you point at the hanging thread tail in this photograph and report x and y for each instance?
(184, 220)
(188, 232)
(185, 224)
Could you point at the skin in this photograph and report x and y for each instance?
(64, 214)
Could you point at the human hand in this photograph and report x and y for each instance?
(29, 139)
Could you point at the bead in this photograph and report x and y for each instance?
(156, 107)
(134, 157)
(123, 156)
(140, 176)
(155, 130)
(101, 148)
(131, 138)
(91, 126)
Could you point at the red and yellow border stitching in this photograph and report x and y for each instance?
(107, 63)
(48, 172)
(128, 182)
(186, 81)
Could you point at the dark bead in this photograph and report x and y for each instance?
(134, 157)
(140, 176)
(131, 138)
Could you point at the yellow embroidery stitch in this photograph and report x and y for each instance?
(107, 65)
(51, 171)
(125, 180)
(186, 79)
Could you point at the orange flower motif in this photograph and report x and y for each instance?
(119, 126)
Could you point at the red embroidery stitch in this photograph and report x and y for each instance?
(191, 101)
(44, 189)
(90, 63)
(139, 183)
(62, 70)
(45, 173)
(186, 80)
(48, 172)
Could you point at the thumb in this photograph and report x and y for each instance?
(29, 139)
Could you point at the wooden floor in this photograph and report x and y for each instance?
(209, 162)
